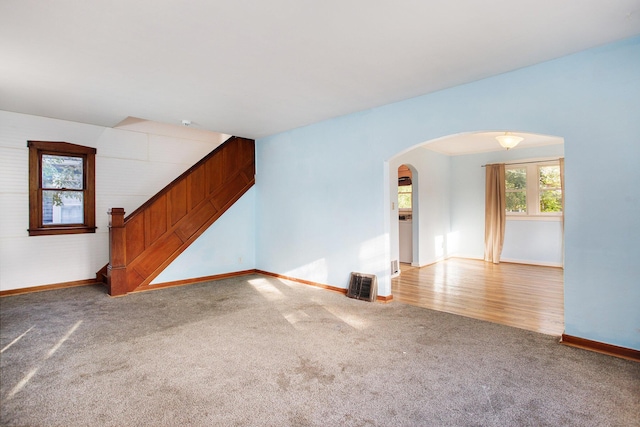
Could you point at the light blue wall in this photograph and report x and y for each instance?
(322, 191)
(228, 245)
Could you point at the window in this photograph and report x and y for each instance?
(404, 196)
(533, 189)
(61, 188)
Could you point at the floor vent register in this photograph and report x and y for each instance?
(363, 287)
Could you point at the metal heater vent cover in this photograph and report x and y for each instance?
(363, 286)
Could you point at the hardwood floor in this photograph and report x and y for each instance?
(519, 295)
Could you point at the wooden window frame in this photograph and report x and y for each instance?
(88, 154)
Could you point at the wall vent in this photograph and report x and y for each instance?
(363, 286)
(395, 267)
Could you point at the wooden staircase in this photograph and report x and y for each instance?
(149, 239)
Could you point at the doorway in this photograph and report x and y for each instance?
(405, 214)
(452, 228)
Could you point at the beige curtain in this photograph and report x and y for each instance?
(562, 189)
(495, 213)
(562, 186)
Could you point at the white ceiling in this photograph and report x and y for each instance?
(481, 142)
(257, 67)
(181, 131)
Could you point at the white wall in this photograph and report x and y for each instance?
(533, 242)
(313, 225)
(130, 168)
(431, 204)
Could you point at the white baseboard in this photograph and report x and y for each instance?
(540, 263)
(430, 262)
(510, 260)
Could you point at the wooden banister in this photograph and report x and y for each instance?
(147, 240)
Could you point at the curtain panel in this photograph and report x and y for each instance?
(495, 213)
(561, 163)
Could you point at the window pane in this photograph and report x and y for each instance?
(551, 201)
(516, 178)
(516, 189)
(549, 177)
(550, 189)
(61, 172)
(404, 201)
(516, 201)
(62, 207)
(404, 197)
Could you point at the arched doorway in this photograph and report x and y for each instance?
(407, 207)
(453, 225)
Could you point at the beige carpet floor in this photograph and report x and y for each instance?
(259, 351)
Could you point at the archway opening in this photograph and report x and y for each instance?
(450, 223)
(408, 238)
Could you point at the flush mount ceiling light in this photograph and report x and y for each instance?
(509, 141)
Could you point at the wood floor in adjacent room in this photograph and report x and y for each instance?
(524, 296)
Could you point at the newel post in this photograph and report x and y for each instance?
(117, 268)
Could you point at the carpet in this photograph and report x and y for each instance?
(261, 351)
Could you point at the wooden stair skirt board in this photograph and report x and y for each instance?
(149, 239)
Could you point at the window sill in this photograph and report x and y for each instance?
(76, 229)
(550, 218)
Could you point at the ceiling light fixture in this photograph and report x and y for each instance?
(186, 123)
(509, 141)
